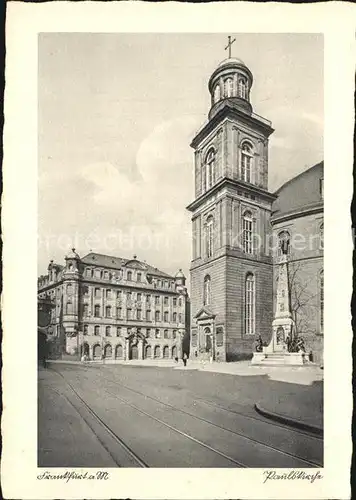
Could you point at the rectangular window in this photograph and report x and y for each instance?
(97, 311)
(180, 318)
(148, 315)
(157, 300)
(157, 316)
(219, 336)
(166, 301)
(128, 296)
(118, 312)
(108, 311)
(247, 235)
(174, 302)
(106, 275)
(85, 310)
(97, 293)
(139, 275)
(250, 305)
(148, 299)
(88, 272)
(139, 314)
(85, 330)
(119, 294)
(166, 316)
(148, 332)
(174, 334)
(97, 330)
(157, 334)
(129, 313)
(108, 294)
(174, 317)
(139, 297)
(118, 331)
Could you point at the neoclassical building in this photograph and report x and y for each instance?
(238, 225)
(114, 308)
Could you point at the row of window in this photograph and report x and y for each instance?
(247, 234)
(118, 353)
(118, 331)
(127, 274)
(227, 89)
(247, 164)
(130, 296)
(131, 314)
(250, 301)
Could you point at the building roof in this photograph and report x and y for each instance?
(300, 192)
(98, 259)
(180, 274)
(72, 254)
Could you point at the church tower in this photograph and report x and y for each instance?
(231, 270)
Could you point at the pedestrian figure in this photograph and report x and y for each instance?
(176, 359)
(185, 357)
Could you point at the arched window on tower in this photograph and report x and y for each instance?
(283, 243)
(247, 162)
(247, 232)
(217, 93)
(242, 85)
(210, 168)
(207, 291)
(209, 236)
(321, 300)
(229, 87)
(250, 309)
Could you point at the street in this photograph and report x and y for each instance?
(142, 416)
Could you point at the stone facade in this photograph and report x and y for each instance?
(113, 308)
(236, 225)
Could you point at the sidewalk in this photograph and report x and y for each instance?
(304, 375)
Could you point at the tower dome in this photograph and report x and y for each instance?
(180, 278)
(72, 254)
(231, 83)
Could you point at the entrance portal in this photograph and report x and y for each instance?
(208, 345)
(134, 352)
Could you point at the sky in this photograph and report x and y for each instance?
(116, 115)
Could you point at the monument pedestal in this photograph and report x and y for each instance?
(278, 359)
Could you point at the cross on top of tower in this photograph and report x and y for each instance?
(228, 46)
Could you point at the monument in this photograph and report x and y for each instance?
(284, 347)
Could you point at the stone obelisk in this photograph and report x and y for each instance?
(282, 324)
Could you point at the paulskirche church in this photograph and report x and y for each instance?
(238, 226)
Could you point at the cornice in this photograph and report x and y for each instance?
(251, 188)
(229, 110)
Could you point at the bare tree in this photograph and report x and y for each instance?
(301, 298)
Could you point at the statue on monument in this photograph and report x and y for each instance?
(284, 246)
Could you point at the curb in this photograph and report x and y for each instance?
(313, 429)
